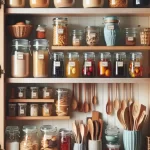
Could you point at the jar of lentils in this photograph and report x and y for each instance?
(60, 31)
(118, 3)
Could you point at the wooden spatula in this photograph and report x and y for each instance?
(91, 128)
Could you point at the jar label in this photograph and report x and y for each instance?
(104, 64)
(60, 31)
(77, 41)
(92, 35)
(46, 94)
(20, 94)
(130, 38)
(57, 63)
(33, 94)
(19, 56)
(88, 64)
(110, 27)
(41, 56)
(137, 64)
(120, 63)
(21, 111)
(72, 64)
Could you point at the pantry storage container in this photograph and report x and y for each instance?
(62, 3)
(41, 32)
(93, 3)
(118, 3)
(22, 109)
(46, 110)
(12, 110)
(145, 36)
(34, 109)
(39, 3)
(34, 92)
(15, 3)
(21, 92)
(47, 93)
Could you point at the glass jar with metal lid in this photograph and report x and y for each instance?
(104, 64)
(72, 65)
(40, 57)
(34, 92)
(92, 35)
(136, 65)
(49, 138)
(12, 137)
(60, 31)
(22, 92)
(20, 58)
(30, 138)
(57, 64)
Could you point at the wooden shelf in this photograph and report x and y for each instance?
(77, 80)
(98, 48)
(31, 100)
(79, 11)
(39, 118)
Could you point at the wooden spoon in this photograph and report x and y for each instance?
(86, 132)
(120, 115)
(82, 132)
(127, 119)
(101, 128)
(91, 128)
(116, 103)
(141, 119)
(74, 101)
(124, 101)
(80, 105)
(94, 100)
(89, 97)
(86, 105)
(74, 127)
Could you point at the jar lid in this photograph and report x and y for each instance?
(29, 128)
(60, 20)
(12, 129)
(131, 30)
(41, 28)
(20, 43)
(64, 132)
(111, 19)
(47, 88)
(12, 104)
(57, 55)
(70, 54)
(22, 104)
(62, 90)
(92, 27)
(40, 42)
(34, 88)
(105, 54)
(89, 54)
(77, 32)
(48, 128)
(34, 105)
(22, 88)
(136, 55)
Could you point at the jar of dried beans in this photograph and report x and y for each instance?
(40, 57)
(20, 58)
(41, 32)
(145, 36)
(60, 31)
(118, 3)
(135, 65)
(104, 65)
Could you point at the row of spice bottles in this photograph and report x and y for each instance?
(50, 139)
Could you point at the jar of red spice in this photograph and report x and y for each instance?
(41, 32)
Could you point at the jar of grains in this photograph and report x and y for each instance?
(29, 139)
(72, 65)
(118, 3)
(15, 3)
(39, 3)
(62, 103)
(145, 36)
(57, 63)
(62, 3)
(92, 35)
(60, 31)
(34, 108)
(20, 58)
(40, 57)
(46, 110)
(47, 93)
(49, 140)
(77, 38)
(34, 92)
(12, 110)
(93, 3)
(12, 137)
(22, 92)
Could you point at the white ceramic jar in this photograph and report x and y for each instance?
(15, 3)
(39, 3)
(93, 3)
(64, 3)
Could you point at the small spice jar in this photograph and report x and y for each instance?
(93, 3)
(104, 65)
(39, 3)
(120, 66)
(135, 65)
(145, 36)
(77, 38)
(41, 32)
(118, 3)
(34, 92)
(60, 31)
(34, 110)
(72, 65)
(47, 92)
(22, 92)
(12, 110)
(92, 35)
(22, 109)
(130, 39)
(88, 69)
(57, 63)
(46, 110)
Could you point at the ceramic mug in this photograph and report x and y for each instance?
(78, 146)
(95, 145)
(132, 140)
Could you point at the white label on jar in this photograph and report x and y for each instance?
(130, 38)
(57, 63)
(21, 111)
(77, 40)
(88, 64)
(60, 31)
(19, 56)
(46, 94)
(113, 2)
(120, 63)
(92, 35)
(137, 2)
(41, 56)
(33, 94)
(104, 64)
(20, 94)
(137, 64)
(71, 64)
(47, 137)
(110, 27)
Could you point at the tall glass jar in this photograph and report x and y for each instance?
(49, 138)
(93, 3)
(57, 64)
(40, 57)
(88, 69)
(20, 58)
(136, 65)
(104, 64)
(12, 137)
(118, 3)
(72, 65)
(29, 139)
(111, 30)
(60, 31)
(92, 35)
(120, 65)
(62, 103)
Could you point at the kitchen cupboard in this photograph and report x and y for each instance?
(78, 18)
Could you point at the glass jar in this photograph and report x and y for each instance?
(88, 69)
(49, 138)
(62, 104)
(145, 36)
(62, 3)
(34, 92)
(77, 38)
(20, 58)
(118, 3)
(136, 65)
(12, 137)
(29, 139)
(46, 110)
(93, 3)
(65, 139)
(72, 65)
(57, 69)
(41, 32)
(15, 3)
(92, 35)
(104, 65)
(34, 110)
(39, 3)
(60, 31)
(40, 57)
(130, 36)
(22, 92)
(113, 147)
(12, 110)
(22, 109)
(47, 93)
(111, 30)
(120, 64)
(141, 3)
